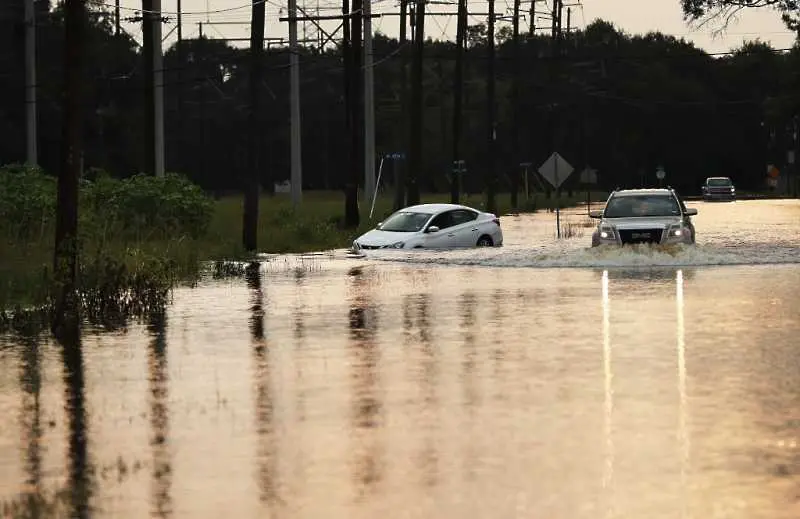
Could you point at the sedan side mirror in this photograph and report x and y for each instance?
(595, 214)
(432, 228)
(378, 225)
(691, 212)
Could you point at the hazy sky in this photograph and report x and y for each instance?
(229, 18)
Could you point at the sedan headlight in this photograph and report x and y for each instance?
(398, 245)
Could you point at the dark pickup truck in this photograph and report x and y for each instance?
(719, 188)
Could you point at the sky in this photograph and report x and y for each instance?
(229, 19)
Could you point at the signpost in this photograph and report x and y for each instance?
(525, 166)
(393, 156)
(660, 175)
(588, 178)
(556, 170)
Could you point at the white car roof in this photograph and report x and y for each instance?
(635, 192)
(436, 208)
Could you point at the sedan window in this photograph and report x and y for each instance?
(463, 216)
(444, 220)
(404, 221)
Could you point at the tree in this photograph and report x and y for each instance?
(65, 258)
(252, 186)
(725, 10)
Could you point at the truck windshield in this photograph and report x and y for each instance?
(642, 206)
(719, 182)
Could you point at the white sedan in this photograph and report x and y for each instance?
(433, 226)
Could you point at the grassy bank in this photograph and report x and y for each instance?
(116, 260)
(317, 224)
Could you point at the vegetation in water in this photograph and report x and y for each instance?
(141, 236)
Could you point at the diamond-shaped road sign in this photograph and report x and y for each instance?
(556, 170)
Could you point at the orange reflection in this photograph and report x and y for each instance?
(159, 416)
(367, 404)
(266, 455)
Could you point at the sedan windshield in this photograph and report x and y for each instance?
(405, 222)
(639, 206)
(719, 182)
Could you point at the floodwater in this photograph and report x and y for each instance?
(540, 379)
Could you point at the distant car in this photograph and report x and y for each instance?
(719, 188)
(644, 216)
(433, 226)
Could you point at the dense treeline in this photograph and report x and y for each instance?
(622, 104)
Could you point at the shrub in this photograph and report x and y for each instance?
(141, 207)
(27, 200)
(149, 207)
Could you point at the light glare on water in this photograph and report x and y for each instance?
(427, 387)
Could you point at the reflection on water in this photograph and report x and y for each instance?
(30, 382)
(159, 416)
(351, 389)
(78, 473)
(366, 392)
(267, 472)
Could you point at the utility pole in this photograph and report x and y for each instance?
(569, 18)
(116, 16)
(399, 171)
(252, 187)
(554, 76)
(65, 257)
(180, 88)
(458, 86)
(515, 110)
(148, 56)
(369, 107)
(30, 82)
(152, 55)
(352, 30)
(415, 137)
(158, 94)
(296, 173)
(490, 115)
(532, 19)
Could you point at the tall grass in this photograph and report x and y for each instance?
(115, 262)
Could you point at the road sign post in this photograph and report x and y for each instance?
(556, 170)
(525, 166)
(660, 175)
(588, 178)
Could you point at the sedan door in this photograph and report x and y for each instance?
(466, 228)
(444, 238)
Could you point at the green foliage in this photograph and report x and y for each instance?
(27, 201)
(146, 207)
(113, 288)
(141, 207)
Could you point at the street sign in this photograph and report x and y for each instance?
(556, 170)
(660, 173)
(396, 155)
(589, 175)
(773, 171)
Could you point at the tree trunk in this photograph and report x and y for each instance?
(65, 257)
(252, 188)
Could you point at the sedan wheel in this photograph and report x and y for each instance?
(485, 241)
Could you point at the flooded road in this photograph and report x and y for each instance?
(492, 383)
